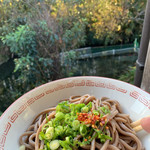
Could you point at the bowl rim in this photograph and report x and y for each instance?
(62, 80)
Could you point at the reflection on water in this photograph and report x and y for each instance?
(109, 66)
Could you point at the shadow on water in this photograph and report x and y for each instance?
(108, 66)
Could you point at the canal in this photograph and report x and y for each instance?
(106, 66)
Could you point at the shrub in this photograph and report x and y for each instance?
(128, 76)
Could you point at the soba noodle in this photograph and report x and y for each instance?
(118, 125)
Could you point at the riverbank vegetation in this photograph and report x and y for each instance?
(34, 33)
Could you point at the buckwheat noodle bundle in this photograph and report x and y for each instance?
(123, 136)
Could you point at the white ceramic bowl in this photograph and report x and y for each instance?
(20, 114)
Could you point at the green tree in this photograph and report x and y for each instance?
(38, 45)
(128, 75)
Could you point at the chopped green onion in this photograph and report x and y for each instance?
(102, 136)
(41, 136)
(105, 109)
(47, 146)
(69, 131)
(76, 108)
(46, 118)
(95, 112)
(59, 130)
(63, 107)
(102, 140)
(59, 116)
(89, 105)
(47, 125)
(83, 130)
(69, 139)
(50, 123)
(67, 118)
(76, 125)
(65, 145)
(101, 115)
(54, 144)
(85, 109)
(49, 133)
(66, 126)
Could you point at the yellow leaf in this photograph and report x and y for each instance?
(119, 28)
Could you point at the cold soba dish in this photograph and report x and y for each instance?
(81, 122)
